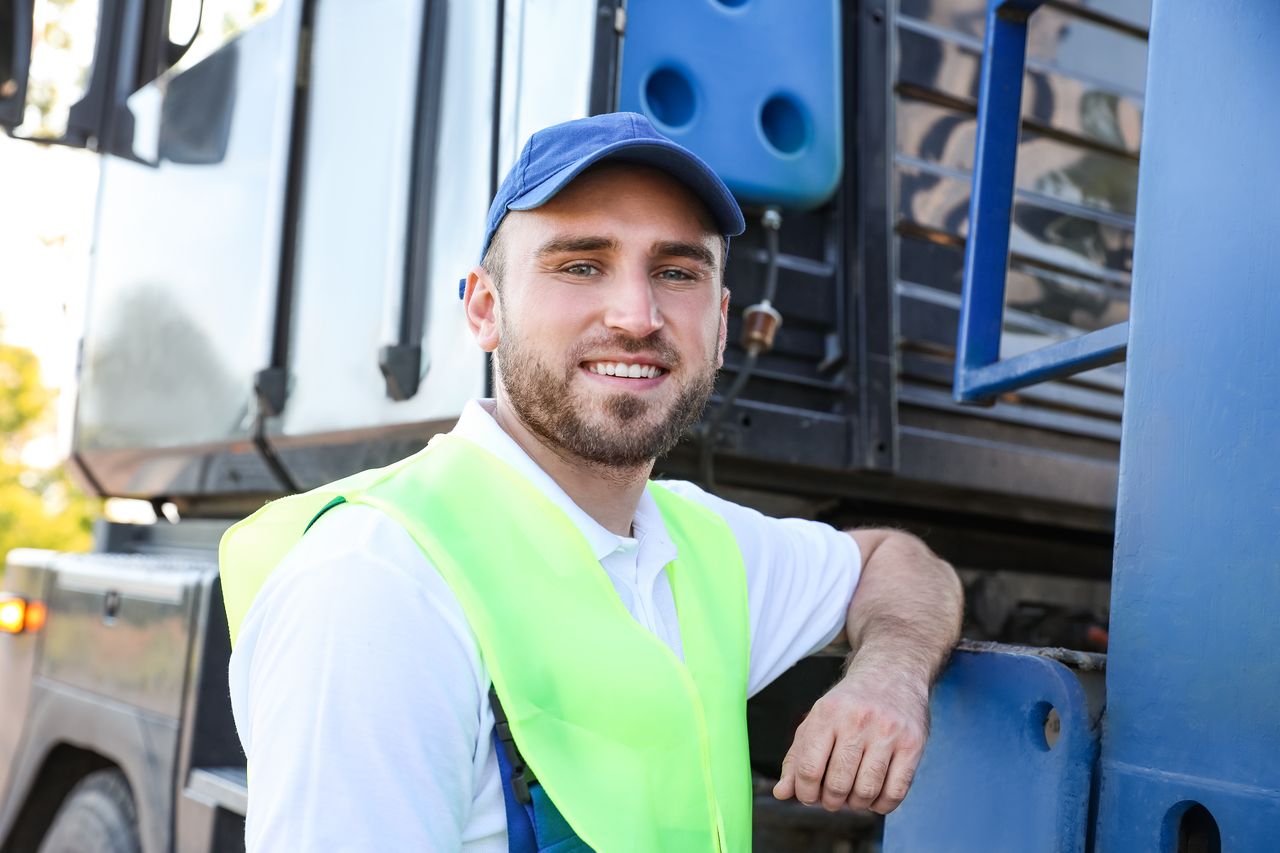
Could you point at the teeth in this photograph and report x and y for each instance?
(630, 371)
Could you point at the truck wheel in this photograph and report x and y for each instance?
(98, 816)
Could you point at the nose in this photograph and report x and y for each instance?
(632, 305)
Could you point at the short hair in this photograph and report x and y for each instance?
(494, 261)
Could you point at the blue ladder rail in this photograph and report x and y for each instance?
(980, 374)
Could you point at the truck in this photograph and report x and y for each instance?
(289, 192)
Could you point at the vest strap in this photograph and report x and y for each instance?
(521, 774)
(520, 835)
(534, 824)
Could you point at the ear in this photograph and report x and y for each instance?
(481, 304)
(724, 327)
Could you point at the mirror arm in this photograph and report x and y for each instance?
(175, 51)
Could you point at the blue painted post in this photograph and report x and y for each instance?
(1191, 739)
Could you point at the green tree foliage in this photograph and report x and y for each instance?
(38, 508)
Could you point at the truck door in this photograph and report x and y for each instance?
(190, 255)
(196, 102)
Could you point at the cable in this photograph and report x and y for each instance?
(760, 324)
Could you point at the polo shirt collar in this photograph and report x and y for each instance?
(476, 424)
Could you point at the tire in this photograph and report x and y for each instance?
(98, 816)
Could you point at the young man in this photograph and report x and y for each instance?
(620, 623)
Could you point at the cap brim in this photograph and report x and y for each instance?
(667, 156)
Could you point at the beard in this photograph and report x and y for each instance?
(619, 431)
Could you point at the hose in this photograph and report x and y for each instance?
(760, 324)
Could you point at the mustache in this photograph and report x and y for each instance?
(654, 346)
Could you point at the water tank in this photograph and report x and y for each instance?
(751, 86)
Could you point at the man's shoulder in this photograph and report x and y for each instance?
(354, 612)
(357, 553)
(693, 492)
(736, 515)
(767, 541)
(684, 488)
(350, 533)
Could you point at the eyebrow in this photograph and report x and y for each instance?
(669, 249)
(563, 245)
(692, 251)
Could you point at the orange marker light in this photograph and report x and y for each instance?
(35, 616)
(13, 615)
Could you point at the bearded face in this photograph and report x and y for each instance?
(611, 429)
(606, 313)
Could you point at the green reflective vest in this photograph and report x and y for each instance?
(638, 750)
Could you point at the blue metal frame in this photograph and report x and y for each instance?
(1191, 727)
(979, 373)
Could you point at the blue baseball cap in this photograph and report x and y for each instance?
(555, 155)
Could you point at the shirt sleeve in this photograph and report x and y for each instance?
(355, 686)
(801, 576)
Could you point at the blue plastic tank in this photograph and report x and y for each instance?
(751, 86)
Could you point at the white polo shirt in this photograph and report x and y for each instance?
(358, 689)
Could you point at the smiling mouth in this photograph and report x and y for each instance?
(624, 371)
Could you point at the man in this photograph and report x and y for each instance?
(528, 552)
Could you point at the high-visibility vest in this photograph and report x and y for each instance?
(638, 750)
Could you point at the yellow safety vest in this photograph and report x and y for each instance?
(638, 750)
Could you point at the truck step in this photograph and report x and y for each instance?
(225, 787)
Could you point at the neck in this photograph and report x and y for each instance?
(607, 494)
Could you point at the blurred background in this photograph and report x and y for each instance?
(44, 251)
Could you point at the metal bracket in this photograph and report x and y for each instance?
(401, 367)
(271, 384)
(401, 363)
(1009, 764)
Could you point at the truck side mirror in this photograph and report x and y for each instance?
(15, 60)
(132, 44)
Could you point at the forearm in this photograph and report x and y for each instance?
(862, 741)
(905, 617)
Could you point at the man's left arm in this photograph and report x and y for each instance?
(862, 741)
